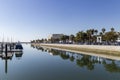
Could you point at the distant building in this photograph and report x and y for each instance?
(55, 36)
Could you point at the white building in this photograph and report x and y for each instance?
(118, 40)
(99, 39)
(55, 36)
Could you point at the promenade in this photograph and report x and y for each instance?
(109, 52)
(97, 49)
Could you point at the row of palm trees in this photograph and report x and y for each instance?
(89, 37)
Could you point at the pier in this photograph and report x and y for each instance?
(7, 50)
(10, 47)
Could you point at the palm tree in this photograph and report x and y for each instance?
(118, 34)
(92, 31)
(112, 29)
(79, 36)
(96, 31)
(103, 30)
(101, 33)
(71, 37)
(95, 37)
(64, 38)
(111, 36)
(89, 34)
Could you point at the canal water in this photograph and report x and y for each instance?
(38, 63)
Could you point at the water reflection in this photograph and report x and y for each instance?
(18, 55)
(8, 56)
(83, 61)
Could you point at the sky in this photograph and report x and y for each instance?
(25, 20)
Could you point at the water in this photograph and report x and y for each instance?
(37, 63)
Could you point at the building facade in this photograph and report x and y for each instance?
(55, 36)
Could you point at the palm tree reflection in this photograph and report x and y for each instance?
(112, 67)
(84, 60)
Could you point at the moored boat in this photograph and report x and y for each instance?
(18, 46)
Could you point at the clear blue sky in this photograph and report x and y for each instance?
(31, 19)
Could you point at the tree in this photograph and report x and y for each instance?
(33, 41)
(103, 30)
(96, 31)
(64, 38)
(89, 34)
(81, 36)
(92, 32)
(118, 34)
(53, 40)
(71, 37)
(112, 29)
(111, 36)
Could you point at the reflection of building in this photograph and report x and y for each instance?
(55, 36)
(99, 59)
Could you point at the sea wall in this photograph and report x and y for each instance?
(99, 49)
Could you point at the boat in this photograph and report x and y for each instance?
(18, 47)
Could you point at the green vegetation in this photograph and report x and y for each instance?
(85, 37)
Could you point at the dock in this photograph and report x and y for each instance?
(10, 47)
(7, 49)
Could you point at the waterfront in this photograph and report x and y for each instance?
(89, 49)
(38, 63)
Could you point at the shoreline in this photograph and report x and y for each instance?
(110, 52)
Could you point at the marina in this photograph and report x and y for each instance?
(48, 64)
(11, 47)
(7, 49)
(59, 40)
